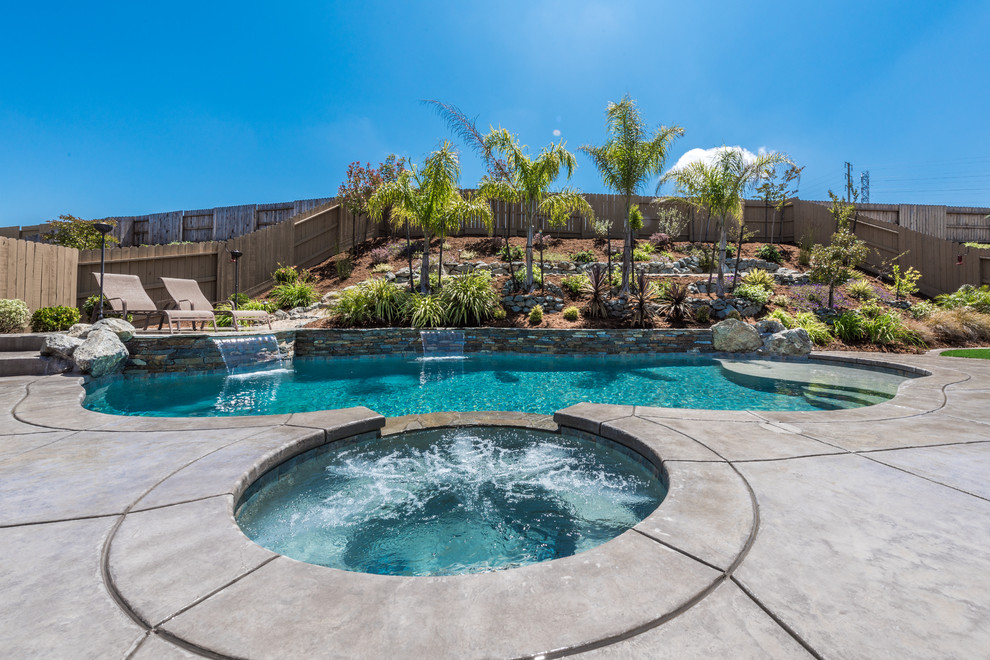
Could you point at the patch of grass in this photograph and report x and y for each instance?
(978, 353)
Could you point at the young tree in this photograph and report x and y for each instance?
(361, 183)
(775, 193)
(720, 186)
(528, 181)
(832, 264)
(631, 157)
(430, 200)
(70, 231)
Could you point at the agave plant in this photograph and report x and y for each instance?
(673, 302)
(597, 286)
(642, 301)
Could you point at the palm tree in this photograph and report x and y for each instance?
(430, 200)
(527, 181)
(629, 159)
(720, 186)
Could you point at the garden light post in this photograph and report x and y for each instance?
(234, 256)
(104, 229)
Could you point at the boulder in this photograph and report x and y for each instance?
(735, 336)
(61, 345)
(80, 330)
(769, 326)
(102, 353)
(119, 327)
(794, 342)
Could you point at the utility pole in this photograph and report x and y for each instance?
(849, 181)
(864, 186)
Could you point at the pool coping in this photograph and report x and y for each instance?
(569, 605)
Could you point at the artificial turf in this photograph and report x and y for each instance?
(981, 353)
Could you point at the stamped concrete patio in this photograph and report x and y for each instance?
(852, 534)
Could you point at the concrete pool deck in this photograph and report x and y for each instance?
(861, 533)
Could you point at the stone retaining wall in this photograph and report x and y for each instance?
(178, 353)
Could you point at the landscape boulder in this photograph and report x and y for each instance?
(794, 343)
(769, 326)
(101, 353)
(61, 345)
(119, 327)
(735, 336)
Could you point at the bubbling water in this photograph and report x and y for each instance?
(451, 501)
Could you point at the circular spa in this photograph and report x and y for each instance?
(450, 501)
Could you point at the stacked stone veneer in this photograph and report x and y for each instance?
(180, 353)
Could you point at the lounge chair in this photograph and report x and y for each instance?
(187, 295)
(127, 297)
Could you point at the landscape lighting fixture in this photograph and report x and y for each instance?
(104, 229)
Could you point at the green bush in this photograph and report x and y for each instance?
(760, 278)
(922, 310)
(520, 275)
(536, 315)
(849, 327)
(861, 290)
(786, 320)
(344, 267)
(14, 315)
(571, 313)
(753, 293)
(702, 314)
(574, 284)
(730, 251)
(816, 329)
(285, 274)
(353, 307)
(642, 254)
(583, 257)
(387, 300)
(74, 232)
(514, 253)
(296, 294)
(470, 299)
(967, 296)
(54, 319)
(780, 299)
(425, 311)
(499, 314)
(381, 268)
(770, 253)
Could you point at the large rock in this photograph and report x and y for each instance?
(119, 327)
(769, 326)
(80, 330)
(102, 353)
(794, 342)
(61, 345)
(734, 336)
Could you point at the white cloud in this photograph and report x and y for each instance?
(556, 132)
(708, 155)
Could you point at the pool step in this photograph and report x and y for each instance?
(20, 355)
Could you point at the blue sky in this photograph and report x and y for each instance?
(132, 108)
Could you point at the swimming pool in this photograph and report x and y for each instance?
(396, 386)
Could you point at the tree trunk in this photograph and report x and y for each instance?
(735, 271)
(542, 242)
(529, 246)
(508, 252)
(720, 286)
(626, 250)
(424, 272)
(440, 263)
(354, 242)
(412, 287)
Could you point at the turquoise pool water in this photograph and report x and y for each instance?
(450, 501)
(396, 386)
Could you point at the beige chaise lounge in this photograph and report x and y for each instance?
(127, 296)
(188, 296)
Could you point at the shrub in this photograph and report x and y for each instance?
(760, 278)
(468, 255)
(785, 319)
(906, 283)
(74, 232)
(379, 255)
(702, 314)
(922, 310)
(381, 268)
(386, 300)
(642, 301)
(285, 274)
(780, 299)
(14, 314)
(54, 319)
(89, 305)
(226, 320)
(514, 253)
(673, 302)
(583, 257)
(770, 253)
(470, 298)
(344, 267)
(861, 290)
(601, 228)
(959, 325)
(660, 240)
(499, 314)
(816, 329)
(571, 313)
(297, 294)
(849, 327)
(597, 287)
(425, 311)
(353, 307)
(574, 284)
(730, 251)
(540, 241)
(643, 252)
(753, 293)
(520, 275)
(734, 314)
(536, 315)
(967, 296)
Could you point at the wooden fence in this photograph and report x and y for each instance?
(40, 275)
(953, 223)
(305, 240)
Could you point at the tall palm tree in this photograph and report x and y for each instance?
(631, 157)
(720, 186)
(430, 200)
(528, 180)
